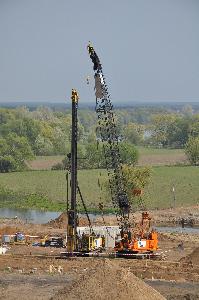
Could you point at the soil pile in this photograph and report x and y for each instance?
(105, 281)
(8, 230)
(192, 258)
(60, 222)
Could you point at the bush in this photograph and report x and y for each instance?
(192, 150)
(7, 164)
(58, 166)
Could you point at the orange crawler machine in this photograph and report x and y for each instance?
(148, 244)
(143, 240)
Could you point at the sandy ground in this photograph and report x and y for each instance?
(161, 217)
(24, 275)
(162, 159)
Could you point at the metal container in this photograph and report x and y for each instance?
(20, 237)
(5, 239)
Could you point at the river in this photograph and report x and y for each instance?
(33, 216)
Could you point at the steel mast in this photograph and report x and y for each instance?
(72, 243)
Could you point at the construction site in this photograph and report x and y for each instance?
(126, 255)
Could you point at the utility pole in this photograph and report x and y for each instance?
(174, 197)
(72, 212)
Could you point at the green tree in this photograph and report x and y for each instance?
(81, 159)
(14, 151)
(187, 110)
(43, 146)
(26, 127)
(6, 115)
(3, 147)
(179, 132)
(7, 164)
(162, 127)
(194, 125)
(192, 150)
(44, 113)
(129, 154)
(19, 149)
(94, 156)
(135, 178)
(87, 118)
(133, 133)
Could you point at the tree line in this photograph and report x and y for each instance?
(25, 134)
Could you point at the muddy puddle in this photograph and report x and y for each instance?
(178, 229)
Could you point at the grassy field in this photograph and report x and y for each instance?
(184, 179)
(47, 189)
(49, 186)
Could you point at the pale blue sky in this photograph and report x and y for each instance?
(149, 49)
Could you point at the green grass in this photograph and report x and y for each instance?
(47, 189)
(183, 178)
(49, 185)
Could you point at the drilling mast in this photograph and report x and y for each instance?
(72, 243)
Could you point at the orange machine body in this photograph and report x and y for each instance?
(143, 239)
(145, 244)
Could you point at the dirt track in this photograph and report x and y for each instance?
(31, 275)
(144, 159)
(162, 159)
(175, 277)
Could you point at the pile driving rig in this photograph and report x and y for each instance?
(145, 239)
(77, 244)
(132, 241)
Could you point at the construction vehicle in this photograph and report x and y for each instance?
(143, 240)
(86, 242)
(91, 242)
(44, 240)
(132, 241)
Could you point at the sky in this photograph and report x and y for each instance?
(149, 49)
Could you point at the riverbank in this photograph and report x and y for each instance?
(161, 217)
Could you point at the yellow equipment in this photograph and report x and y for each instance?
(43, 241)
(75, 96)
(91, 242)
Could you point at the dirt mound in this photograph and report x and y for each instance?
(60, 222)
(105, 281)
(192, 258)
(8, 230)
